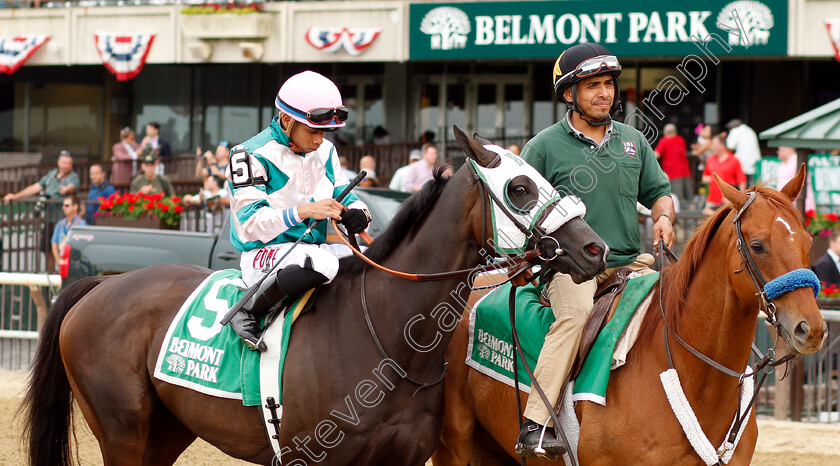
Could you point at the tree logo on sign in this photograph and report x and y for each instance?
(448, 27)
(755, 18)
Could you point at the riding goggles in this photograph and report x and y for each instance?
(317, 116)
(592, 67)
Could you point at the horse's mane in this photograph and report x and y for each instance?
(677, 278)
(411, 214)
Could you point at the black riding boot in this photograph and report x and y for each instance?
(292, 280)
(530, 445)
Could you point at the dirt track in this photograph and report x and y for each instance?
(779, 443)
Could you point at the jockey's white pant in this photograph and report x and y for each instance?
(257, 262)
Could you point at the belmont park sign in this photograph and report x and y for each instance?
(542, 29)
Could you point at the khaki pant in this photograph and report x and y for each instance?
(571, 303)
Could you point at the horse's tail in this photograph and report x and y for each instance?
(48, 403)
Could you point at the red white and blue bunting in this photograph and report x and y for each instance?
(123, 54)
(354, 41)
(833, 26)
(14, 51)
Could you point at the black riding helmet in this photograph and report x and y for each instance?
(585, 61)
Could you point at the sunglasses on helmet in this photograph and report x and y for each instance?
(591, 67)
(320, 116)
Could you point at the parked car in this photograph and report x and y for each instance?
(100, 250)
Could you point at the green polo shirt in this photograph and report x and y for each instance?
(609, 178)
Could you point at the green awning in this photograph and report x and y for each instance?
(816, 129)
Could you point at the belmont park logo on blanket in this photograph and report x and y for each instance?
(458, 30)
(202, 361)
(495, 350)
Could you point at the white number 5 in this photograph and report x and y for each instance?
(240, 169)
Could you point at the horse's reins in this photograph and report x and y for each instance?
(524, 257)
(766, 363)
(542, 251)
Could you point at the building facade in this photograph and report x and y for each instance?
(410, 67)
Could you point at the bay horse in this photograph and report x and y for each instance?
(343, 402)
(711, 302)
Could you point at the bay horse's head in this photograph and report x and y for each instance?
(519, 210)
(769, 262)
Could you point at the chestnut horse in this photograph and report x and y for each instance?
(711, 302)
(102, 338)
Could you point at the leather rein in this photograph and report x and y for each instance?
(767, 362)
(527, 256)
(541, 250)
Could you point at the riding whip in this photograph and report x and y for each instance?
(253, 289)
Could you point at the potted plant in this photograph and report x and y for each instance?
(820, 226)
(829, 297)
(225, 21)
(140, 211)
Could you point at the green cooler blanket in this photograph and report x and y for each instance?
(201, 354)
(490, 351)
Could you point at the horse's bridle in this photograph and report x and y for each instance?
(766, 362)
(764, 305)
(527, 256)
(539, 245)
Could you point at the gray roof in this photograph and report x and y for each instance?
(815, 129)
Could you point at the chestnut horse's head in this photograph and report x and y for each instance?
(522, 211)
(771, 255)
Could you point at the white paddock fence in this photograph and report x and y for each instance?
(24, 299)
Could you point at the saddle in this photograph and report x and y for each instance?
(605, 302)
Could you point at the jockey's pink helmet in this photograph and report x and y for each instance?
(306, 94)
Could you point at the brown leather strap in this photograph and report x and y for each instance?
(423, 277)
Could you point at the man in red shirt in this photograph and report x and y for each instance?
(727, 167)
(671, 155)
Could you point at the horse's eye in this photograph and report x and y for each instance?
(519, 190)
(757, 247)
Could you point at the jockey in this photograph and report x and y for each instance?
(281, 180)
(610, 166)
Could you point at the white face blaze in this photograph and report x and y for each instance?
(508, 239)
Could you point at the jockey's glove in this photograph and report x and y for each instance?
(355, 220)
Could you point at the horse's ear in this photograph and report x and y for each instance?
(731, 193)
(794, 186)
(475, 150)
(481, 139)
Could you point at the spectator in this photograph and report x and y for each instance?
(399, 175)
(702, 147)
(727, 167)
(212, 163)
(61, 181)
(70, 207)
(381, 136)
(154, 144)
(421, 171)
(514, 148)
(99, 187)
(124, 156)
(57, 182)
(368, 164)
(214, 198)
(350, 174)
(149, 182)
(671, 155)
(427, 137)
(788, 169)
(742, 140)
(827, 267)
